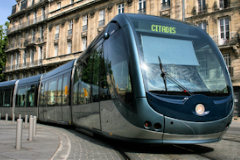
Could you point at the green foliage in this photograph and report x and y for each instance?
(3, 44)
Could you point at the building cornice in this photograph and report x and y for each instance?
(75, 9)
(28, 9)
(205, 14)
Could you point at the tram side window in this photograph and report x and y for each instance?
(21, 97)
(59, 91)
(117, 65)
(52, 92)
(85, 84)
(42, 100)
(65, 95)
(45, 93)
(76, 85)
(1, 98)
(7, 98)
(31, 96)
(95, 70)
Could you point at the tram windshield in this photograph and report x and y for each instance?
(178, 60)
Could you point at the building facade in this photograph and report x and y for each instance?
(44, 34)
(220, 19)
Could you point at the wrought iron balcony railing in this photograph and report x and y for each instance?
(23, 65)
(27, 23)
(101, 23)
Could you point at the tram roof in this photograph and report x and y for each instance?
(29, 80)
(122, 20)
(7, 83)
(59, 69)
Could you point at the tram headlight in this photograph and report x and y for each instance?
(200, 109)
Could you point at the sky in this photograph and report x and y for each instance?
(5, 10)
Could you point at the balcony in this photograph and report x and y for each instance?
(30, 42)
(142, 11)
(25, 66)
(14, 46)
(234, 38)
(101, 23)
(56, 36)
(26, 24)
(202, 9)
(25, 6)
(224, 4)
(84, 28)
(165, 5)
(70, 32)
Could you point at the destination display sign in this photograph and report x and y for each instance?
(163, 29)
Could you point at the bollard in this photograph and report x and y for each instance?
(26, 119)
(30, 132)
(6, 117)
(34, 125)
(0, 116)
(13, 117)
(19, 134)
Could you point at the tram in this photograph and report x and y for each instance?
(145, 79)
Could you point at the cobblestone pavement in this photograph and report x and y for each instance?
(85, 147)
(43, 146)
(52, 143)
(56, 143)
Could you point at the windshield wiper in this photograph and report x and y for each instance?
(165, 74)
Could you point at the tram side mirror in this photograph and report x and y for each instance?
(106, 35)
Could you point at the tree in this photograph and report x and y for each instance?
(3, 44)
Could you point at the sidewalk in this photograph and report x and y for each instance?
(47, 145)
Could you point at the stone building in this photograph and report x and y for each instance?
(44, 34)
(221, 20)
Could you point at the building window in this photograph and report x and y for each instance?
(165, 4)
(28, 19)
(101, 18)
(224, 3)
(59, 5)
(71, 1)
(35, 17)
(142, 6)
(69, 48)
(23, 4)
(40, 56)
(224, 30)
(55, 50)
(70, 27)
(85, 23)
(17, 61)
(227, 59)
(57, 32)
(203, 26)
(121, 8)
(11, 62)
(43, 13)
(24, 58)
(32, 57)
(201, 5)
(14, 9)
(41, 33)
(33, 35)
(84, 43)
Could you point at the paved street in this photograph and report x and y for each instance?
(56, 143)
